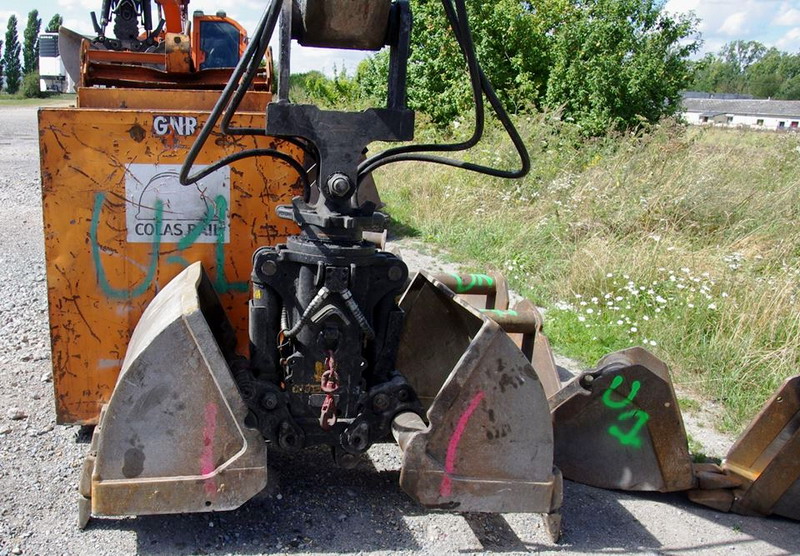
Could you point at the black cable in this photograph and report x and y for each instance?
(264, 28)
(464, 38)
(289, 159)
(409, 153)
(505, 120)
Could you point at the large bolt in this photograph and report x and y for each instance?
(380, 402)
(395, 273)
(269, 268)
(339, 185)
(270, 400)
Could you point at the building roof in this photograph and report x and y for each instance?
(719, 96)
(752, 107)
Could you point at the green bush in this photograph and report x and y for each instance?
(30, 86)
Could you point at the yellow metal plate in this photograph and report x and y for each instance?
(118, 227)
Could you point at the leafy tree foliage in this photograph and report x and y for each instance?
(2, 64)
(617, 62)
(13, 68)
(605, 63)
(55, 22)
(748, 67)
(30, 86)
(314, 87)
(30, 44)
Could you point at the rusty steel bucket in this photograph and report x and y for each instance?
(173, 438)
(487, 445)
(489, 293)
(761, 473)
(619, 426)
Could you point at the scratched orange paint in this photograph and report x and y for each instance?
(86, 155)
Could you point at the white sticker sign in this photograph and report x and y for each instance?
(159, 207)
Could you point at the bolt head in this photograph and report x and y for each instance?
(270, 401)
(380, 402)
(339, 185)
(395, 273)
(269, 268)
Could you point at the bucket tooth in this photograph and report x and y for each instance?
(619, 426)
(172, 437)
(488, 444)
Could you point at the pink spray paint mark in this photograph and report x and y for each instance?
(450, 459)
(207, 456)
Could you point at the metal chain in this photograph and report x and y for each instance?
(329, 385)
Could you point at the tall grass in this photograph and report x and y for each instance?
(686, 241)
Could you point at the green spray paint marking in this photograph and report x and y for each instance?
(630, 438)
(500, 312)
(221, 283)
(177, 259)
(474, 280)
(618, 380)
(107, 288)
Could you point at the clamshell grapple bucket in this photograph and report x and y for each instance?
(173, 438)
(488, 445)
(619, 426)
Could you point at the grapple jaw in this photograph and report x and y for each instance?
(488, 444)
(173, 437)
(620, 427)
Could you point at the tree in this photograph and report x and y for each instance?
(713, 74)
(742, 54)
(511, 47)
(765, 77)
(13, 68)
(605, 63)
(618, 62)
(54, 24)
(749, 67)
(30, 45)
(2, 64)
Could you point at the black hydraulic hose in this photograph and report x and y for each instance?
(508, 125)
(264, 28)
(464, 38)
(415, 152)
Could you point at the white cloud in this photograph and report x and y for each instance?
(79, 25)
(734, 24)
(787, 16)
(790, 42)
(724, 20)
(325, 59)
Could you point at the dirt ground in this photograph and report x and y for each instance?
(310, 506)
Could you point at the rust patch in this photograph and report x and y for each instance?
(137, 133)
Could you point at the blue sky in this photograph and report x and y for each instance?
(772, 22)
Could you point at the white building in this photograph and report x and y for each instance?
(754, 113)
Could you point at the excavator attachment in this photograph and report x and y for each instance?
(488, 444)
(619, 426)
(523, 324)
(173, 438)
(760, 475)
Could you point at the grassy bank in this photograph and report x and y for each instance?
(7, 100)
(686, 241)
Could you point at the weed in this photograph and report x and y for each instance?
(684, 241)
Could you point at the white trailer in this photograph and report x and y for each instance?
(52, 75)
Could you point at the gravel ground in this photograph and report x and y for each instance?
(312, 507)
